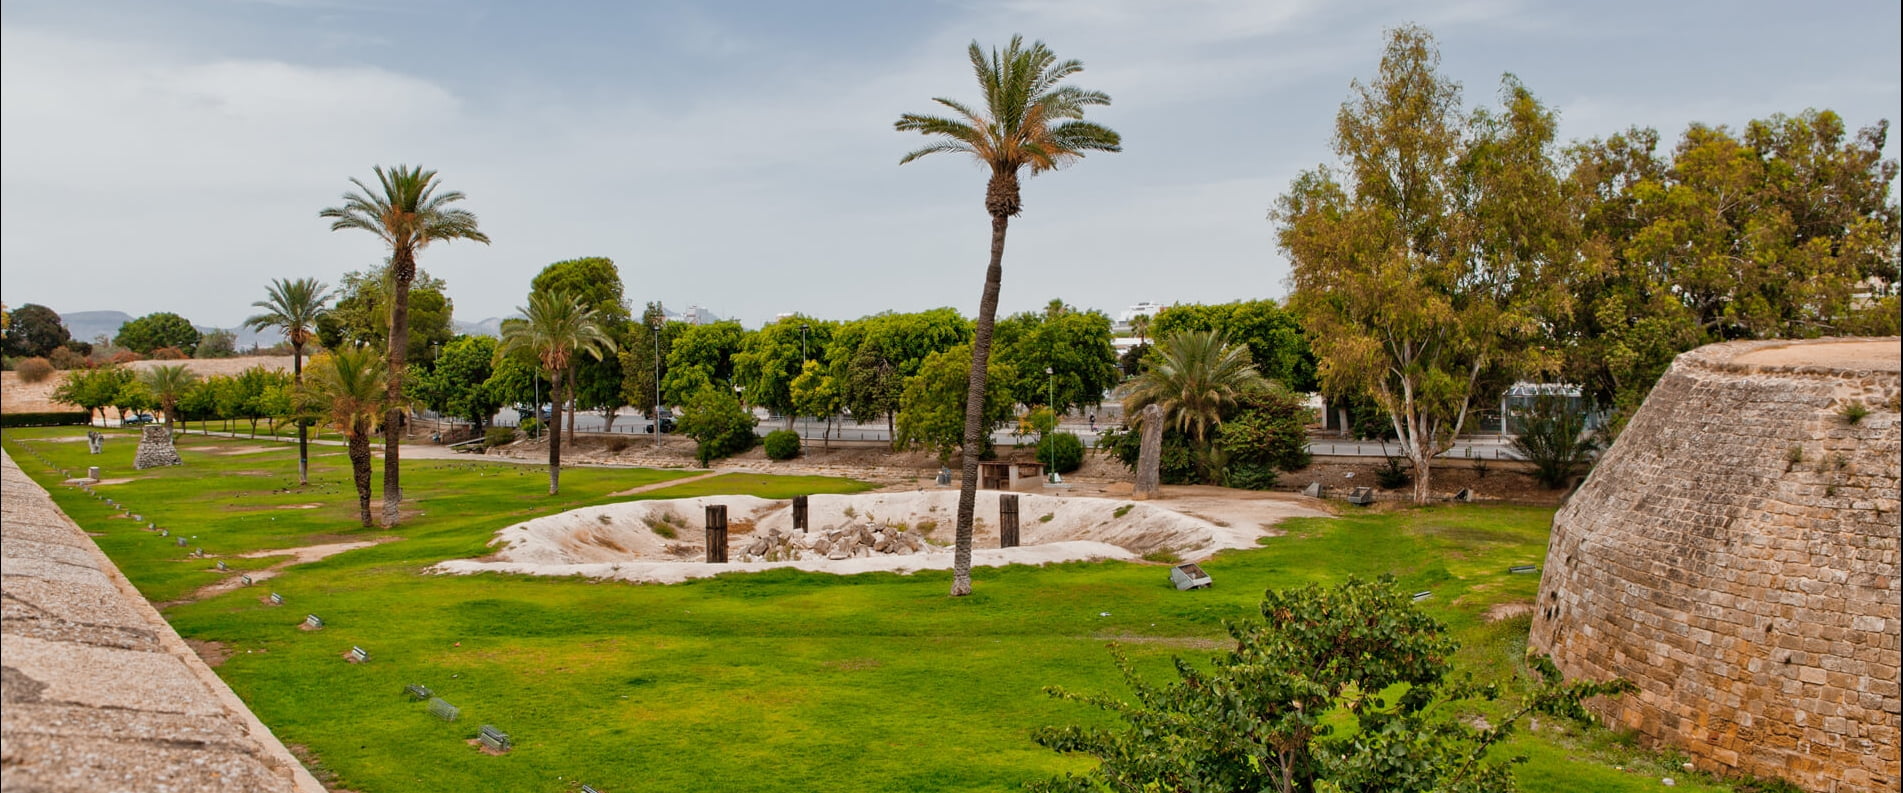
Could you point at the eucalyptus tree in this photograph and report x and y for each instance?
(1027, 121)
(293, 307)
(348, 388)
(407, 213)
(558, 330)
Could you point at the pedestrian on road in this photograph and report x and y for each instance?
(1093, 422)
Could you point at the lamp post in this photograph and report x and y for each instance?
(655, 414)
(1050, 374)
(803, 328)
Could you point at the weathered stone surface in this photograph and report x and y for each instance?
(1736, 555)
(155, 448)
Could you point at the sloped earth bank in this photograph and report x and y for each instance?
(874, 532)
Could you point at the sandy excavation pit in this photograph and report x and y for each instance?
(895, 532)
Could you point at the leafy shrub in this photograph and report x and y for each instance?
(63, 418)
(531, 427)
(67, 358)
(1851, 412)
(33, 370)
(169, 354)
(1250, 476)
(1163, 555)
(125, 356)
(782, 445)
(1176, 464)
(1122, 511)
(1062, 451)
(714, 418)
(1393, 475)
(498, 436)
(1553, 438)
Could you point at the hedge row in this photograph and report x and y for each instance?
(56, 419)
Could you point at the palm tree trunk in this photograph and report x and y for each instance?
(570, 394)
(555, 438)
(975, 430)
(303, 435)
(402, 272)
(359, 443)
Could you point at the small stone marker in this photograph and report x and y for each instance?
(1189, 576)
(418, 692)
(1008, 520)
(245, 579)
(587, 789)
(137, 517)
(493, 738)
(799, 513)
(277, 599)
(181, 542)
(221, 565)
(1361, 495)
(443, 710)
(1314, 490)
(358, 655)
(312, 621)
(92, 472)
(717, 533)
(151, 525)
(165, 532)
(1523, 568)
(1423, 595)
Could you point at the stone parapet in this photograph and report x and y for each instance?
(99, 692)
(1736, 555)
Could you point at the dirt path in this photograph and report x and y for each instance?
(664, 485)
(299, 555)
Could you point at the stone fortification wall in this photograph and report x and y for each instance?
(1735, 554)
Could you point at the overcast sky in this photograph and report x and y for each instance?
(740, 156)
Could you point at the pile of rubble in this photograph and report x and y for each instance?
(851, 542)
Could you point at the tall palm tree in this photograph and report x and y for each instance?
(348, 387)
(293, 307)
(1027, 121)
(407, 214)
(559, 329)
(169, 384)
(1193, 376)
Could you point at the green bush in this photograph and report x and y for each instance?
(497, 436)
(1250, 476)
(33, 370)
(62, 418)
(782, 445)
(1393, 475)
(714, 418)
(531, 427)
(1062, 451)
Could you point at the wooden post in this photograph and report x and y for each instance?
(799, 513)
(1007, 520)
(717, 533)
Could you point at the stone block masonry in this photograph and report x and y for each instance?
(155, 448)
(99, 693)
(1736, 555)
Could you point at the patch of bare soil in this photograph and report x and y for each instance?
(300, 555)
(213, 653)
(1507, 611)
(19, 397)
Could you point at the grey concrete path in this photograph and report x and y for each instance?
(97, 692)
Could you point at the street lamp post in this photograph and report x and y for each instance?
(803, 329)
(1050, 373)
(655, 414)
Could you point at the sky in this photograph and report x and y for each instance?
(740, 156)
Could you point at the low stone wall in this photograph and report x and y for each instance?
(99, 692)
(1736, 554)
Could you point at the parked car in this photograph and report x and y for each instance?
(136, 419)
(667, 421)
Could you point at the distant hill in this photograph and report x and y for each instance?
(488, 327)
(88, 325)
(84, 325)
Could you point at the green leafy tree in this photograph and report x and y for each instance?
(133, 396)
(34, 330)
(347, 387)
(1028, 121)
(596, 283)
(93, 389)
(700, 357)
(158, 330)
(649, 340)
(294, 307)
(559, 329)
(201, 403)
(772, 356)
(871, 357)
(407, 214)
(362, 313)
(1195, 377)
(1264, 715)
(168, 385)
(248, 397)
(459, 384)
(217, 343)
(1267, 434)
(1272, 333)
(1419, 268)
(1553, 438)
(815, 393)
(719, 425)
(1062, 352)
(932, 410)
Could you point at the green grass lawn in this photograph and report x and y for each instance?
(778, 681)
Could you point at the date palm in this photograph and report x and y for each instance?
(408, 214)
(348, 388)
(1193, 377)
(1027, 121)
(168, 384)
(293, 307)
(558, 331)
